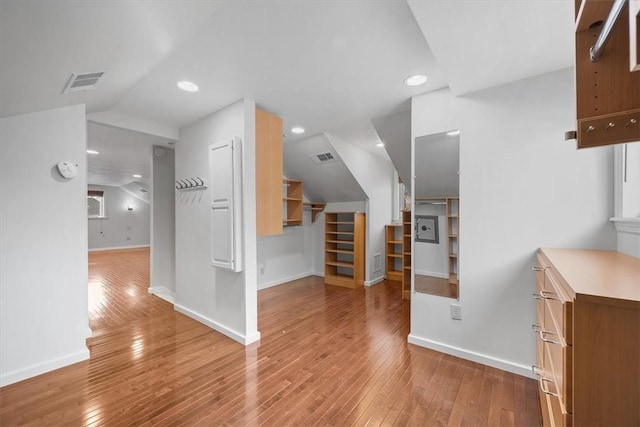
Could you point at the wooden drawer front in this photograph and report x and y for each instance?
(558, 369)
(560, 309)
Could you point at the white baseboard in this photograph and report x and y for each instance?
(284, 280)
(432, 274)
(163, 292)
(242, 339)
(115, 248)
(483, 359)
(318, 273)
(34, 370)
(374, 281)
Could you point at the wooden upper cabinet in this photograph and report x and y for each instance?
(268, 173)
(607, 92)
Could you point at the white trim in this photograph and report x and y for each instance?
(242, 339)
(163, 292)
(318, 273)
(115, 248)
(374, 281)
(283, 280)
(432, 274)
(51, 365)
(483, 359)
(626, 225)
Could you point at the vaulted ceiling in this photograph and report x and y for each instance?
(329, 66)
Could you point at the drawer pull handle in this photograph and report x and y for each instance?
(547, 340)
(610, 125)
(590, 129)
(536, 328)
(548, 295)
(537, 296)
(537, 268)
(537, 371)
(544, 389)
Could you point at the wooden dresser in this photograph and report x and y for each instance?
(588, 337)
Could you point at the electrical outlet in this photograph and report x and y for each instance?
(456, 312)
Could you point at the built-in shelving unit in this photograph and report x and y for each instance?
(393, 244)
(344, 249)
(406, 254)
(453, 237)
(293, 202)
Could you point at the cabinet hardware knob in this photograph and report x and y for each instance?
(544, 389)
(631, 122)
(536, 296)
(548, 295)
(610, 125)
(536, 370)
(590, 129)
(536, 268)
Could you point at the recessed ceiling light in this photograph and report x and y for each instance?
(297, 130)
(188, 86)
(454, 133)
(380, 144)
(137, 176)
(416, 80)
(92, 152)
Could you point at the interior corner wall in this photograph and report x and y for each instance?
(521, 187)
(122, 228)
(287, 256)
(221, 299)
(163, 223)
(376, 177)
(43, 243)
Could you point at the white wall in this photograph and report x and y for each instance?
(521, 187)
(43, 243)
(224, 300)
(121, 228)
(163, 224)
(431, 259)
(286, 257)
(376, 177)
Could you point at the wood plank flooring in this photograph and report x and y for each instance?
(328, 356)
(435, 286)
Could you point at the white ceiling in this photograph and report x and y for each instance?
(123, 153)
(484, 43)
(329, 66)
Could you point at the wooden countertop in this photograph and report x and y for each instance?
(608, 275)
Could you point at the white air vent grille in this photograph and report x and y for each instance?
(81, 82)
(326, 157)
(377, 262)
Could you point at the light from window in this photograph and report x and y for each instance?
(95, 204)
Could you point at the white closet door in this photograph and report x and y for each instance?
(226, 196)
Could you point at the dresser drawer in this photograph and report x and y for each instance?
(558, 306)
(557, 364)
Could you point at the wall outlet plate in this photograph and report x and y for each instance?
(456, 312)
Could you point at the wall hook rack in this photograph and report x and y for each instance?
(196, 183)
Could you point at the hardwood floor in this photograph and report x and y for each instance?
(328, 356)
(435, 286)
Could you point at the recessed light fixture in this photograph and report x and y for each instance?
(416, 80)
(92, 152)
(297, 130)
(187, 86)
(137, 176)
(454, 133)
(380, 144)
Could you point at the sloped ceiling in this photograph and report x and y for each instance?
(43, 42)
(323, 183)
(481, 44)
(395, 131)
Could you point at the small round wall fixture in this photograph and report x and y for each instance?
(415, 80)
(187, 86)
(297, 130)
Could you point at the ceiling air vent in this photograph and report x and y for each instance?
(82, 82)
(319, 158)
